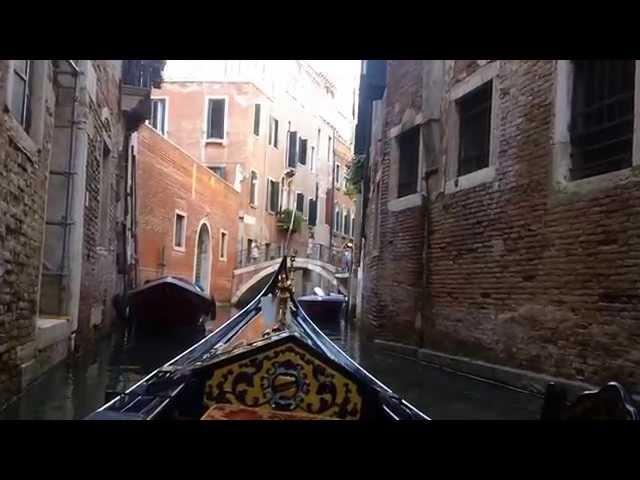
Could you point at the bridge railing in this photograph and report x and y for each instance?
(316, 251)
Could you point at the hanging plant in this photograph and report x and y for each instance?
(355, 176)
(284, 220)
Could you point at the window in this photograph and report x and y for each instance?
(216, 118)
(300, 202)
(353, 225)
(302, 155)
(292, 149)
(159, 114)
(273, 195)
(218, 170)
(337, 218)
(253, 189)
(601, 127)
(312, 212)
(475, 129)
(329, 151)
(21, 92)
(273, 132)
(409, 162)
(337, 179)
(256, 120)
(180, 230)
(223, 245)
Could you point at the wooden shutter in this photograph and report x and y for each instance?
(256, 120)
(300, 202)
(303, 151)
(293, 149)
(313, 211)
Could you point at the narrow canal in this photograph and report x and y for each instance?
(69, 392)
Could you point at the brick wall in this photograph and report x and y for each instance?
(23, 175)
(520, 272)
(169, 179)
(103, 207)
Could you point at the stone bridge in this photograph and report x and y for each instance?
(313, 267)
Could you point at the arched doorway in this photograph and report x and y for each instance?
(202, 273)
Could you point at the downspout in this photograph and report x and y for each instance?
(80, 150)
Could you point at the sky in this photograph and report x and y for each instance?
(345, 74)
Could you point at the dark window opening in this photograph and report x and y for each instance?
(302, 156)
(256, 120)
(293, 150)
(475, 129)
(215, 118)
(601, 126)
(300, 203)
(409, 146)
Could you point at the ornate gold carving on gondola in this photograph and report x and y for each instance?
(285, 378)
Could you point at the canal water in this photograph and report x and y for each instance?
(69, 391)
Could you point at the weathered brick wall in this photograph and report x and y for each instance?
(23, 177)
(100, 280)
(393, 261)
(169, 179)
(521, 273)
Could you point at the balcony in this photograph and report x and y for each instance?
(138, 78)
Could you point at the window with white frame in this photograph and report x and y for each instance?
(216, 118)
(21, 90)
(337, 176)
(602, 117)
(474, 111)
(224, 236)
(337, 218)
(218, 170)
(253, 189)
(408, 162)
(158, 118)
(180, 230)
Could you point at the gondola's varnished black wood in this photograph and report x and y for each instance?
(611, 402)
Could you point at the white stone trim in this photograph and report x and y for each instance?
(473, 81)
(204, 221)
(409, 201)
(561, 140)
(484, 175)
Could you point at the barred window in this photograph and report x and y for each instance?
(601, 126)
(475, 129)
(21, 92)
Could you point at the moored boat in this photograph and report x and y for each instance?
(324, 310)
(269, 361)
(168, 302)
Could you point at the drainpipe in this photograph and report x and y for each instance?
(80, 148)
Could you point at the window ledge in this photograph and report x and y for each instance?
(180, 249)
(221, 141)
(470, 180)
(20, 136)
(253, 205)
(408, 201)
(605, 180)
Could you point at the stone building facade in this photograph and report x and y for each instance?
(171, 184)
(517, 244)
(63, 175)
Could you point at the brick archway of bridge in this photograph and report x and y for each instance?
(245, 278)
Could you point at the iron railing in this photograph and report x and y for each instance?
(315, 251)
